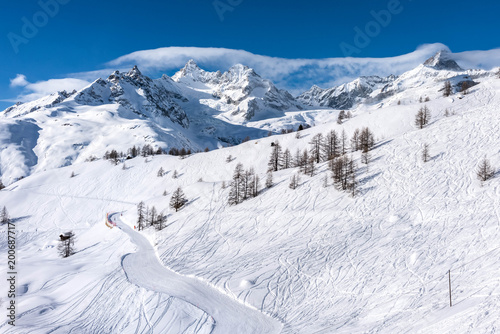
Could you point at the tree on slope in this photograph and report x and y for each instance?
(425, 153)
(485, 171)
(274, 159)
(498, 73)
(423, 117)
(236, 192)
(66, 244)
(4, 216)
(447, 88)
(1, 185)
(269, 179)
(140, 216)
(316, 147)
(332, 145)
(178, 199)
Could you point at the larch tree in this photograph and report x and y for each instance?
(317, 147)
(286, 159)
(140, 216)
(269, 179)
(294, 181)
(236, 192)
(447, 90)
(332, 144)
(178, 199)
(355, 140)
(160, 172)
(425, 152)
(366, 140)
(4, 216)
(485, 171)
(275, 158)
(66, 244)
(423, 117)
(344, 146)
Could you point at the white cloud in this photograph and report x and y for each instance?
(33, 91)
(295, 75)
(19, 81)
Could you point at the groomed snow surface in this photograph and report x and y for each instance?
(311, 260)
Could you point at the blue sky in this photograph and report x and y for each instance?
(81, 36)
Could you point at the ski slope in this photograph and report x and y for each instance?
(229, 316)
(313, 260)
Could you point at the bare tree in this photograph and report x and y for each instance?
(447, 90)
(341, 117)
(269, 179)
(485, 171)
(161, 221)
(72, 175)
(237, 191)
(366, 140)
(344, 173)
(498, 73)
(4, 216)
(229, 158)
(366, 158)
(275, 158)
(425, 153)
(140, 216)
(325, 181)
(446, 112)
(423, 117)
(66, 244)
(1, 185)
(294, 181)
(178, 199)
(343, 142)
(332, 145)
(316, 147)
(355, 140)
(465, 87)
(286, 159)
(160, 172)
(175, 174)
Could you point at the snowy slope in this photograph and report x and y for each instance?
(314, 259)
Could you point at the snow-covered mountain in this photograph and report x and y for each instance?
(239, 94)
(433, 72)
(345, 96)
(195, 109)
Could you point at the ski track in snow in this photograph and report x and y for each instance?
(144, 269)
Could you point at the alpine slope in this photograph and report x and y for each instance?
(307, 260)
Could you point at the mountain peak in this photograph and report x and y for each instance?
(134, 72)
(442, 61)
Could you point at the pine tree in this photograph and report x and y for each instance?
(423, 117)
(66, 244)
(485, 171)
(140, 216)
(447, 90)
(178, 199)
(465, 87)
(72, 175)
(274, 159)
(316, 147)
(425, 153)
(269, 179)
(4, 216)
(160, 172)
